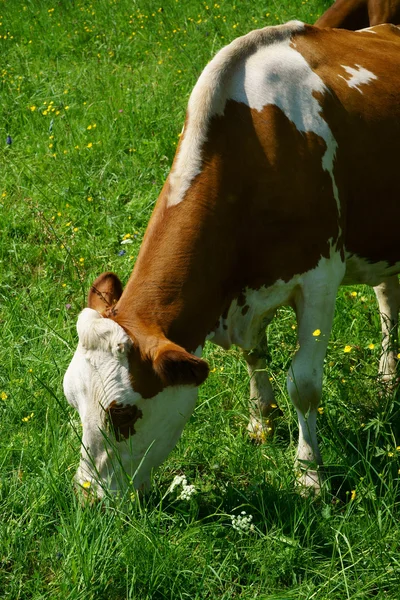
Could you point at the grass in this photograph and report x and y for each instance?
(93, 96)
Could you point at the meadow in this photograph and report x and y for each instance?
(93, 98)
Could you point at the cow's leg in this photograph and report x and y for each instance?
(314, 303)
(263, 407)
(388, 295)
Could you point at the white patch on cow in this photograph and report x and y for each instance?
(110, 466)
(97, 377)
(360, 270)
(208, 98)
(99, 365)
(256, 70)
(242, 327)
(279, 75)
(358, 76)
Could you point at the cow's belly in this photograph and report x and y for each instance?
(250, 314)
(362, 271)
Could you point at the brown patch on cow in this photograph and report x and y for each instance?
(245, 309)
(358, 14)
(175, 366)
(104, 293)
(143, 378)
(123, 419)
(166, 364)
(366, 126)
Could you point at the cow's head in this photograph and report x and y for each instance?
(133, 394)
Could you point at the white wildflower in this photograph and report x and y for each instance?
(178, 480)
(187, 490)
(242, 522)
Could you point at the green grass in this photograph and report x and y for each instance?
(93, 96)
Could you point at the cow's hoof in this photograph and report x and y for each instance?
(260, 431)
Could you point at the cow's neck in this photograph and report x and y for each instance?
(181, 282)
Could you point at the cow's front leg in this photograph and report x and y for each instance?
(388, 296)
(314, 302)
(263, 407)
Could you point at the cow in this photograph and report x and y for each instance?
(283, 187)
(359, 14)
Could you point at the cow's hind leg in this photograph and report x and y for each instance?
(314, 303)
(263, 407)
(388, 296)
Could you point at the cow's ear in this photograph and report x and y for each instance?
(105, 291)
(175, 366)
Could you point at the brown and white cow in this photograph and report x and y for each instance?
(284, 186)
(358, 14)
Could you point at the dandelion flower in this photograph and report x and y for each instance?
(354, 294)
(347, 348)
(371, 346)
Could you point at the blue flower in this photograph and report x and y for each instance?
(9, 140)
(121, 252)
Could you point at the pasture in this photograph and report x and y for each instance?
(93, 98)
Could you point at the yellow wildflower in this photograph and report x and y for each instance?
(86, 485)
(3, 396)
(353, 495)
(371, 346)
(89, 145)
(354, 294)
(347, 348)
(317, 332)
(28, 418)
(321, 410)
